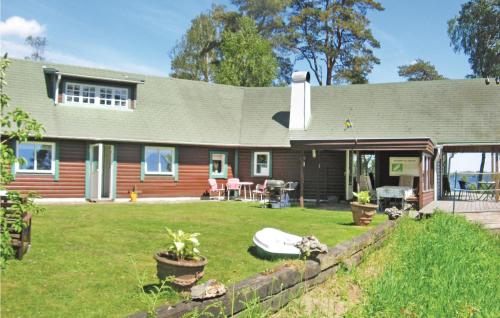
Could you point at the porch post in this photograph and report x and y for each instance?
(318, 174)
(301, 200)
(497, 179)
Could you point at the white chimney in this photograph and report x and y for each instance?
(300, 103)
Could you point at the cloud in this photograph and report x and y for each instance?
(20, 27)
(19, 49)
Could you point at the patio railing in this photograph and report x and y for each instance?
(472, 186)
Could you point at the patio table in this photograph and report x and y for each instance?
(485, 188)
(246, 185)
(397, 192)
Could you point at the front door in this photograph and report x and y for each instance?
(95, 171)
(101, 171)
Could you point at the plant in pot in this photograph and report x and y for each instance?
(181, 261)
(133, 194)
(362, 210)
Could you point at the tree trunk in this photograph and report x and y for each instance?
(481, 168)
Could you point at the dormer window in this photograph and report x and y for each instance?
(107, 96)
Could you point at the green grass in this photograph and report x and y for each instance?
(79, 260)
(442, 267)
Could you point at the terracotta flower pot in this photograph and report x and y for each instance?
(362, 214)
(186, 272)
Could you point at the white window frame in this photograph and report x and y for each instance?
(35, 170)
(254, 163)
(97, 96)
(157, 172)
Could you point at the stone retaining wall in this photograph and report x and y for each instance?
(273, 290)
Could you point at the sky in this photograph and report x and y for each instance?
(137, 36)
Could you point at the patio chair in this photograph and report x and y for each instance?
(214, 187)
(291, 187)
(260, 190)
(406, 181)
(233, 184)
(464, 190)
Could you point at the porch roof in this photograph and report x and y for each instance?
(417, 144)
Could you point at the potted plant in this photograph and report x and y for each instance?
(362, 210)
(133, 194)
(181, 261)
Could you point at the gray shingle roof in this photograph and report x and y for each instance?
(189, 112)
(447, 111)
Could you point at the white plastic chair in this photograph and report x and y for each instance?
(233, 184)
(214, 187)
(260, 190)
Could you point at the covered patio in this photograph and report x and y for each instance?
(340, 167)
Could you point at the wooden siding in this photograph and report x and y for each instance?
(324, 175)
(71, 182)
(285, 165)
(425, 198)
(193, 173)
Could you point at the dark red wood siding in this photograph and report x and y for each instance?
(324, 175)
(193, 173)
(285, 165)
(71, 182)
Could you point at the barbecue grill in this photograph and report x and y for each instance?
(275, 193)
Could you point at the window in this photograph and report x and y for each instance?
(427, 173)
(261, 163)
(96, 95)
(159, 160)
(38, 157)
(218, 164)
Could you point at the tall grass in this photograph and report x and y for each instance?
(441, 267)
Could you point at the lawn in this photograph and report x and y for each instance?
(441, 267)
(79, 263)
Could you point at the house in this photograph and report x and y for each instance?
(108, 131)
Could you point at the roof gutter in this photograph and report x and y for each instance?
(110, 79)
(111, 140)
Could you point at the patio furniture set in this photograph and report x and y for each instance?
(404, 191)
(272, 193)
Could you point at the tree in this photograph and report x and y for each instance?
(270, 17)
(420, 70)
(476, 32)
(15, 125)
(197, 54)
(38, 45)
(247, 58)
(334, 38)
(193, 56)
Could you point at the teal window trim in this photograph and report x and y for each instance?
(236, 163)
(270, 164)
(143, 162)
(87, 172)
(15, 169)
(115, 169)
(176, 164)
(224, 167)
(56, 160)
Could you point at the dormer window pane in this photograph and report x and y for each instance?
(96, 94)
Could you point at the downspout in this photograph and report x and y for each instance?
(56, 92)
(438, 157)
